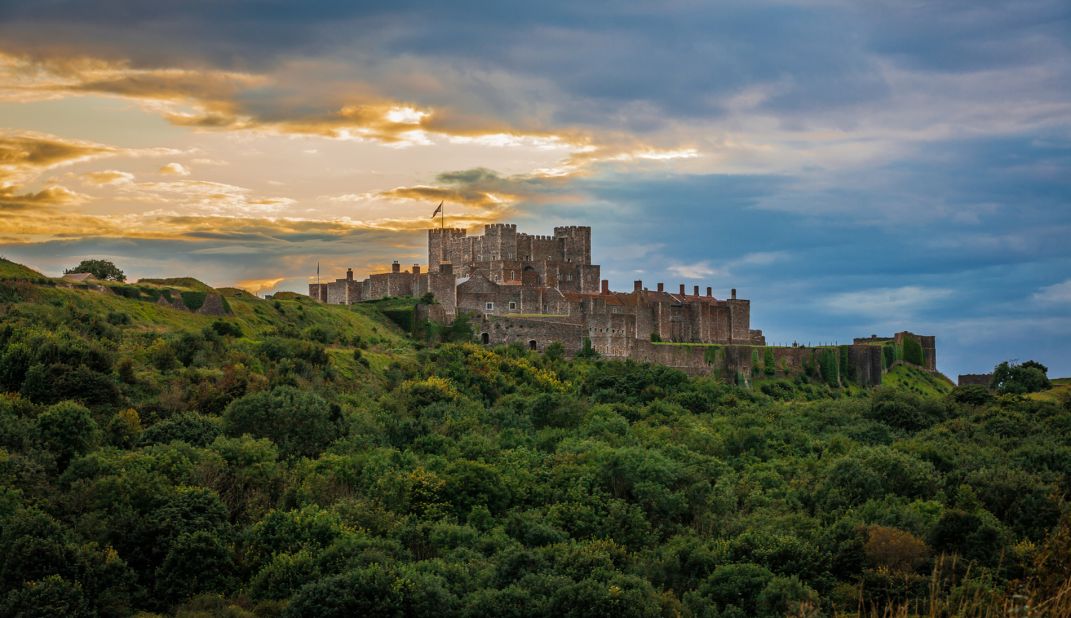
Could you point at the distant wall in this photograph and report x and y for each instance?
(975, 379)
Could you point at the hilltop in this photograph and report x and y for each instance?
(13, 270)
(292, 458)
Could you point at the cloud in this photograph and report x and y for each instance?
(901, 301)
(104, 178)
(175, 169)
(25, 154)
(487, 195)
(53, 195)
(258, 286)
(1055, 294)
(696, 270)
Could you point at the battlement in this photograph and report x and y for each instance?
(450, 231)
(492, 227)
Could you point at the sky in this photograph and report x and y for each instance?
(853, 168)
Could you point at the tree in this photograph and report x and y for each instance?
(1029, 377)
(67, 429)
(197, 563)
(894, 549)
(299, 422)
(372, 591)
(101, 269)
(51, 596)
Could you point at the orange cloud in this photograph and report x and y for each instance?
(175, 169)
(107, 177)
(23, 154)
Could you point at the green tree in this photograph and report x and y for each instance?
(1029, 377)
(299, 422)
(47, 598)
(375, 590)
(67, 429)
(101, 269)
(197, 563)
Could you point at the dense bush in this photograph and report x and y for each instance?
(301, 423)
(270, 469)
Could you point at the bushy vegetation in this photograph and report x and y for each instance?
(100, 269)
(302, 460)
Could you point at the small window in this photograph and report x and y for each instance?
(512, 305)
(489, 306)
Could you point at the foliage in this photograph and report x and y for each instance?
(1029, 377)
(100, 269)
(314, 460)
(301, 423)
(913, 351)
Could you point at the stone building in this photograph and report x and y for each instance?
(549, 289)
(537, 290)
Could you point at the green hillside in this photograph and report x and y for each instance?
(916, 380)
(188, 283)
(298, 459)
(1060, 391)
(12, 270)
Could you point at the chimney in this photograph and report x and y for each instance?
(682, 289)
(710, 292)
(396, 267)
(605, 286)
(695, 291)
(416, 269)
(637, 286)
(349, 274)
(734, 293)
(661, 287)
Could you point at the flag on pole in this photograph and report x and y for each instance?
(438, 209)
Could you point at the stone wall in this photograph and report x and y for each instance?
(975, 379)
(929, 347)
(533, 333)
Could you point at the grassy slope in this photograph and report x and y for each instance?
(12, 270)
(179, 282)
(1061, 390)
(256, 317)
(918, 381)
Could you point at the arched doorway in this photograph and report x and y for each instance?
(532, 344)
(485, 338)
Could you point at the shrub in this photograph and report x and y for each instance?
(118, 318)
(193, 300)
(300, 423)
(224, 328)
(67, 429)
(189, 427)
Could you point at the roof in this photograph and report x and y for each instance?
(79, 277)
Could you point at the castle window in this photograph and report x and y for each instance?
(512, 305)
(489, 306)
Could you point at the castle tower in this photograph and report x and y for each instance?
(500, 241)
(444, 245)
(576, 243)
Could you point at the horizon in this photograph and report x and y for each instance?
(850, 170)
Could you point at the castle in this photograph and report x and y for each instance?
(537, 290)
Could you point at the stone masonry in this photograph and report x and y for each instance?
(536, 290)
